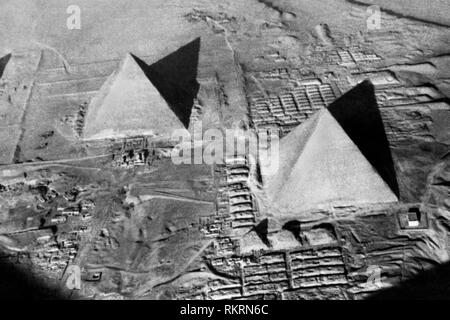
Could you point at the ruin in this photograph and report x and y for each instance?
(90, 188)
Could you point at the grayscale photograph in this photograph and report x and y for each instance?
(230, 150)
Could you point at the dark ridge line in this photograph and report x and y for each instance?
(425, 103)
(411, 64)
(400, 15)
(269, 4)
(441, 55)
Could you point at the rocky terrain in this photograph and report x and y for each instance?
(92, 205)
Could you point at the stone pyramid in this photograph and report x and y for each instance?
(128, 104)
(321, 167)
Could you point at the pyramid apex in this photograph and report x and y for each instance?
(129, 57)
(129, 65)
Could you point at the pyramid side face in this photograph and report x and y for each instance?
(4, 61)
(128, 104)
(331, 170)
(290, 148)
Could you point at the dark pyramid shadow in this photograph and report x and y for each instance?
(294, 227)
(3, 62)
(175, 77)
(358, 114)
(433, 284)
(262, 230)
(18, 284)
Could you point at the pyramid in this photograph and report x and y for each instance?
(175, 77)
(128, 104)
(321, 167)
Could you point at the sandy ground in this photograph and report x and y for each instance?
(260, 62)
